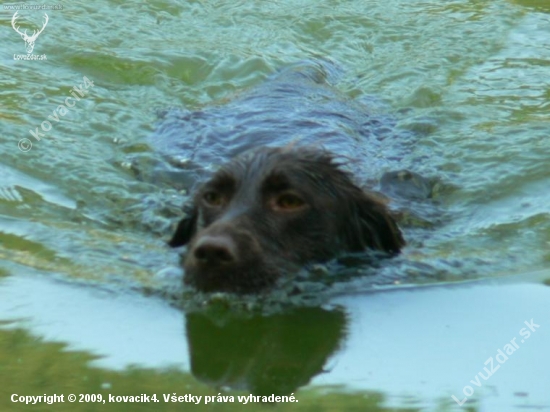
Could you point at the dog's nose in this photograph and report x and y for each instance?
(215, 250)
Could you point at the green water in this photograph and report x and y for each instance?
(470, 77)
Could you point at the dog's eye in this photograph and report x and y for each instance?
(289, 202)
(213, 198)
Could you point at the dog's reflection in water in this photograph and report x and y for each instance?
(263, 355)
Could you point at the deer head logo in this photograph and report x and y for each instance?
(29, 40)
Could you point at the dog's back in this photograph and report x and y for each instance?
(296, 105)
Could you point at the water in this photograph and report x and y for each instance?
(469, 78)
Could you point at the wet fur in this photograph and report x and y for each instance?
(249, 245)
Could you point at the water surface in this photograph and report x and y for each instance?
(469, 78)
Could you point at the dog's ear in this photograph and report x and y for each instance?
(186, 228)
(372, 226)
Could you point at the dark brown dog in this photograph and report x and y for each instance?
(273, 210)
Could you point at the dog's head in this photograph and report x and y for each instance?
(273, 210)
